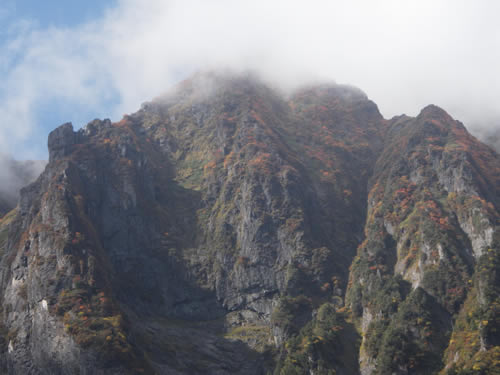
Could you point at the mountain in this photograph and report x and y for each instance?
(425, 280)
(226, 228)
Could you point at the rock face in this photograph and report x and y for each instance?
(225, 229)
(432, 220)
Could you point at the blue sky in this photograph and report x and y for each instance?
(75, 61)
(17, 16)
(58, 13)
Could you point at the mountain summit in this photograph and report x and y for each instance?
(226, 229)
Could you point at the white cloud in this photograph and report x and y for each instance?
(13, 176)
(404, 54)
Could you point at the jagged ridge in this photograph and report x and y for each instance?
(213, 232)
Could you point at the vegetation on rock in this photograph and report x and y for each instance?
(224, 228)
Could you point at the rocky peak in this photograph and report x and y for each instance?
(344, 92)
(93, 127)
(60, 141)
(433, 111)
(226, 228)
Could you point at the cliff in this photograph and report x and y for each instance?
(227, 229)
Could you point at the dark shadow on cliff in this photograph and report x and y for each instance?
(175, 322)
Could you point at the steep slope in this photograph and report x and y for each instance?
(219, 229)
(433, 216)
(218, 203)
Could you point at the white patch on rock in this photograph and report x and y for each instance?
(478, 238)
(17, 283)
(414, 274)
(416, 176)
(389, 228)
(366, 363)
(440, 251)
(366, 319)
(11, 347)
(44, 304)
(130, 191)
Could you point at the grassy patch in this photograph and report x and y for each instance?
(257, 337)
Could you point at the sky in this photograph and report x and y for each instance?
(74, 61)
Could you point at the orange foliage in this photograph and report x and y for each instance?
(262, 161)
(228, 159)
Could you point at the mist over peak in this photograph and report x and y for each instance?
(15, 174)
(404, 55)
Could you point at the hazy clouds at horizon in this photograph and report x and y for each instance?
(403, 54)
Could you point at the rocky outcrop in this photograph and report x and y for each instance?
(429, 222)
(197, 208)
(217, 230)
